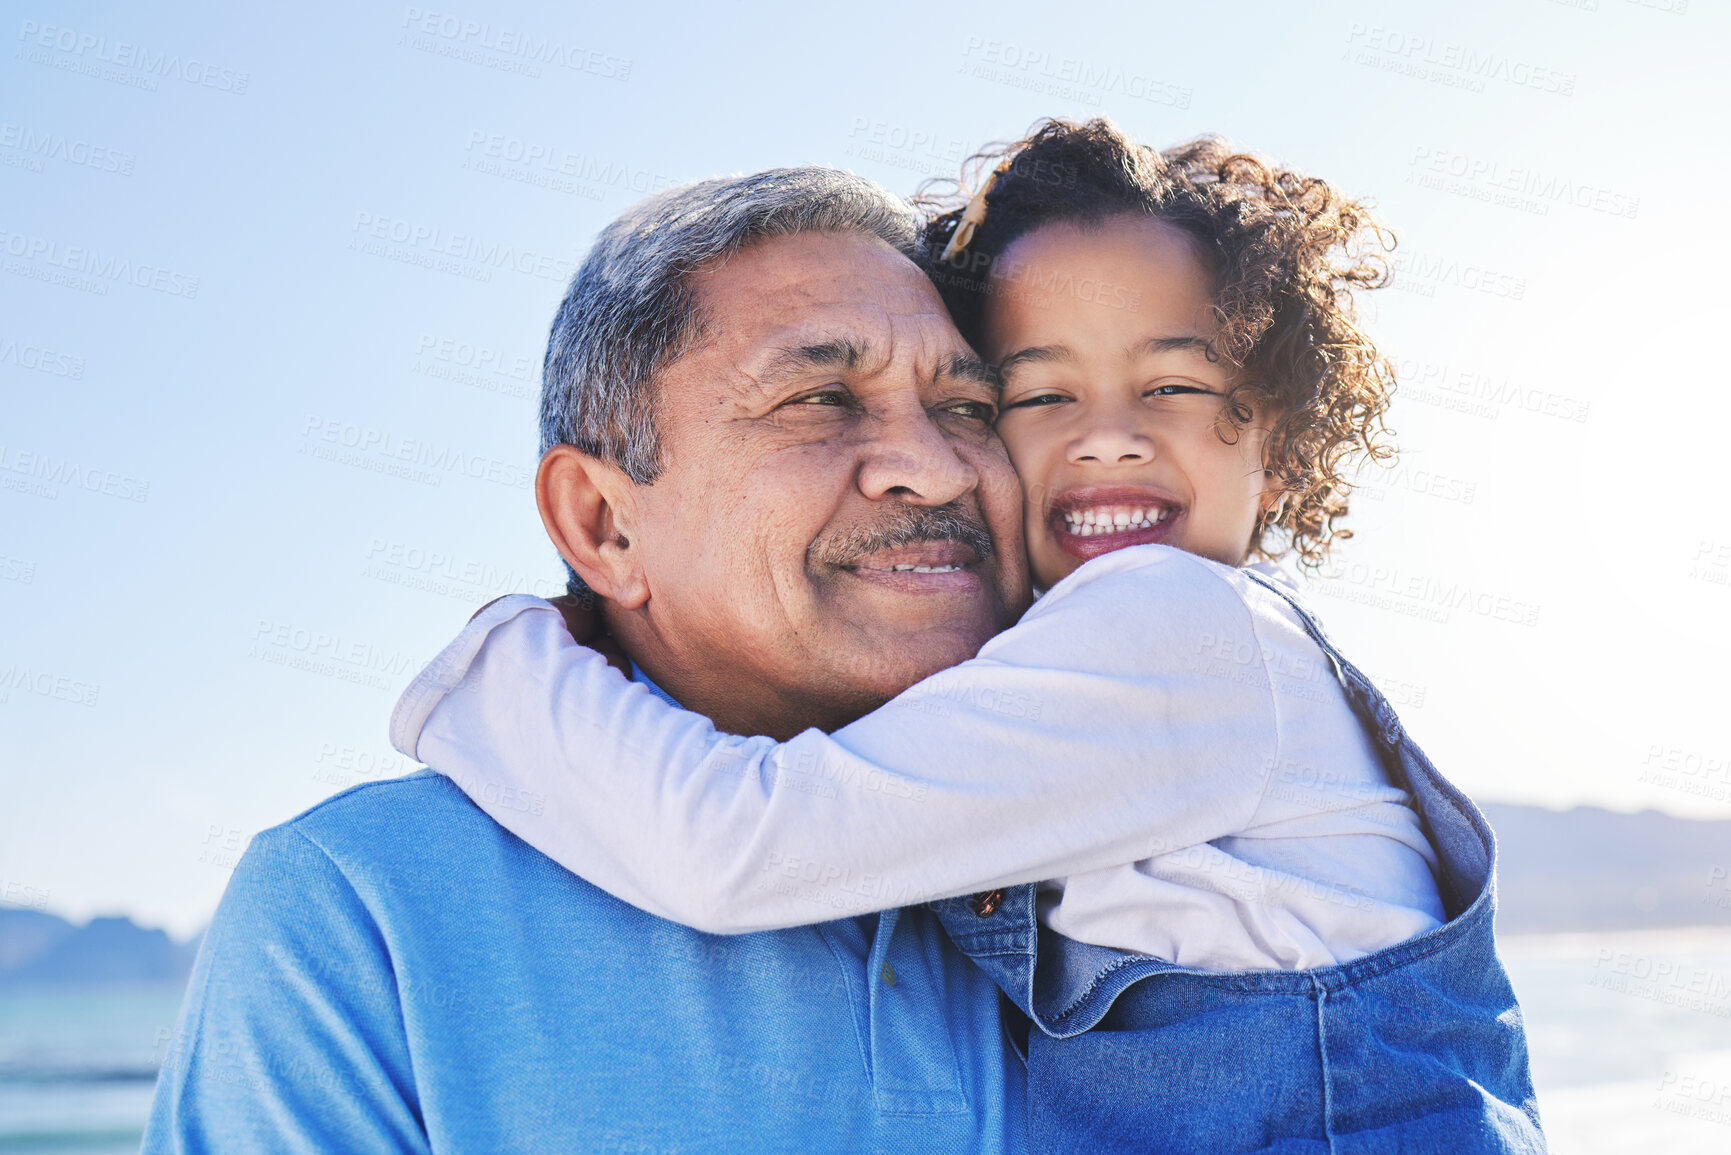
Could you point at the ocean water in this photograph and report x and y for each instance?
(1630, 1034)
(1631, 1038)
(78, 1064)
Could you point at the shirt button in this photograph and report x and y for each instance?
(987, 901)
(888, 975)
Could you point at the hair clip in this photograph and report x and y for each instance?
(973, 216)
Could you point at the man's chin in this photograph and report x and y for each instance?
(884, 661)
(880, 636)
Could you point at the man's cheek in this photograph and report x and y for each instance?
(1000, 485)
(1002, 500)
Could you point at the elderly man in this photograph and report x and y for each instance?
(757, 416)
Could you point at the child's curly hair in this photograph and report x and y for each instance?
(1287, 249)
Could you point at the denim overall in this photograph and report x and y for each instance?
(1416, 1048)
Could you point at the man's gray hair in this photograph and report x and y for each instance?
(629, 311)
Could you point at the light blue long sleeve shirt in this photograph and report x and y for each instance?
(394, 971)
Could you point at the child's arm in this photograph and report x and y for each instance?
(1102, 729)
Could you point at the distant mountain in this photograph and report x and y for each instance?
(25, 934)
(1592, 869)
(43, 948)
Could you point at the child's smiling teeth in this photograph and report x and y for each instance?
(1113, 519)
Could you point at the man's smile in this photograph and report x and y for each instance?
(921, 567)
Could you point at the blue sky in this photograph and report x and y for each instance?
(274, 287)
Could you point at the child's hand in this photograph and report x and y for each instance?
(586, 628)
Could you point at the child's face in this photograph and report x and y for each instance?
(1111, 410)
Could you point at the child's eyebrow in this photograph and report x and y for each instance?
(1034, 355)
(1154, 346)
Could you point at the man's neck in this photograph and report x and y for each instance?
(737, 699)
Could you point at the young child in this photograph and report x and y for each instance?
(1262, 920)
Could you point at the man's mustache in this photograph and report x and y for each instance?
(906, 525)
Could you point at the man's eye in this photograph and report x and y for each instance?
(825, 397)
(978, 410)
(1037, 399)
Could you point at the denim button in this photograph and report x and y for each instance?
(987, 901)
(888, 975)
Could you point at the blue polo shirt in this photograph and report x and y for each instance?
(394, 971)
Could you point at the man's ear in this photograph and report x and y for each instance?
(585, 507)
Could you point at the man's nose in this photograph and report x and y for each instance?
(911, 458)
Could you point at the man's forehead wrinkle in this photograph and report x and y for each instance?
(846, 352)
(837, 352)
(861, 324)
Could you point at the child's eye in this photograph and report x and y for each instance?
(1174, 390)
(1036, 399)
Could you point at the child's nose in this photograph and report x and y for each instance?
(1111, 444)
